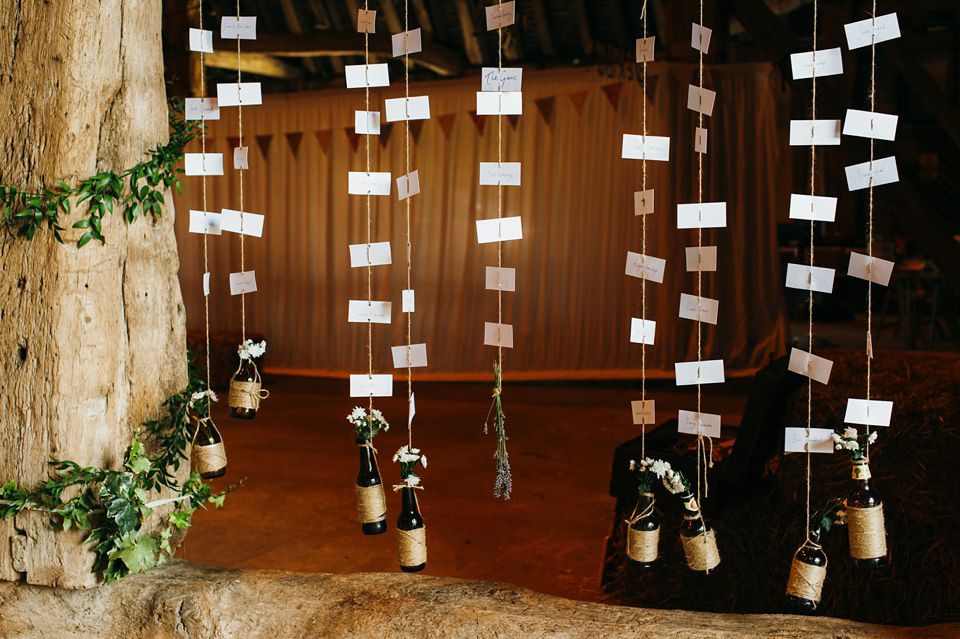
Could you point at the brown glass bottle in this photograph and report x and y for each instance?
(412, 534)
(245, 390)
(209, 455)
(801, 600)
(369, 480)
(643, 535)
(865, 499)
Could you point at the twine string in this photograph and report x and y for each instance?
(813, 185)
(873, 94)
(643, 283)
(243, 298)
(406, 60)
(369, 219)
(203, 179)
(499, 380)
(700, 443)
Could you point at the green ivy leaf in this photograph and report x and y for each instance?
(138, 552)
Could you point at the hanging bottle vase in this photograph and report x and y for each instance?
(698, 538)
(208, 454)
(643, 533)
(371, 503)
(411, 533)
(807, 572)
(868, 539)
(245, 390)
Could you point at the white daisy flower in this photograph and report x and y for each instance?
(633, 465)
(659, 468)
(872, 438)
(412, 480)
(850, 433)
(423, 460)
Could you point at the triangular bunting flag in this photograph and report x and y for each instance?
(324, 138)
(293, 139)
(263, 141)
(545, 106)
(353, 138)
(513, 120)
(416, 127)
(446, 123)
(579, 99)
(613, 92)
(478, 121)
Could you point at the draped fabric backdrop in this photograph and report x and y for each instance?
(571, 311)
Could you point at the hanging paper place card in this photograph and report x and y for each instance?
(418, 356)
(700, 38)
(204, 223)
(238, 28)
(201, 109)
(501, 279)
(820, 440)
(501, 15)
(708, 215)
(244, 282)
(241, 158)
(863, 33)
(643, 412)
(499, 103)
(399, 109)
(828, 62)
(366, 21)
(884, 172)
(201, 40)
(503, 173)
(810, 278)
(809, 365)
(406, 42)
(813, 207)
(408, 300)
(645, 49)
(367, 75)
(814, 132)
(362, 183)
(245, 223)
(642, 331)
(366, 122)
(693, 423)
(413, 409)
(700, 141)
(702, 258)
(374, 312)
(371, 385)
(239, 94)
(872, 269)
(639, 147)
(870, 124)
(376, 254)
(497, 334)
(706, 311)
(645, 267)
(408, 185)
(869, 412)
(701, 100)
(709, 371)
(507, 79)
(499, 230)
(203, 163)
(643, 202)
(206, 284)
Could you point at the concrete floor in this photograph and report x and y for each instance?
(296, 510)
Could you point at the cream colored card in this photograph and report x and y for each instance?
(415, 108)
(499, 103)
(412, 410)
(809, 365)
(206, 284)
(201, 109)
(702, 258)
(870, 124)
(417, 356)
(366, 122)
(241, 157)
(643, 202)
(406, 43)
(872, 269)
(796, 440)
(371, 385)
(409, 300)
(241, 222)
(642, 331)
(366, 21)
(645, 47)
(693, 423)
(244, 282)
(707, 215)
(203, 163)
(818, 208)
(507, 79)
(504, 173)
(650, 147)
(408, 185)
(826, 62)
(701, 100)
(700, 38)
(376, 254)
(708, 371)
(706, 310)
(502, 14)
(700, 141)
(884, 171)
(201, 40)
(498, 334)
(869, 412)
(362, 183)
(239, 94)
(645, 267)
(359, 76)
(499, 230)
(814, 132)
(502, 279)
(205, 223)
(810, 278)
(238, 28)
(643, 412)
(375, 312)
(863, 33)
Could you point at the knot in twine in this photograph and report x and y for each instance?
(397, 487)
(369, 444)
(634, 517)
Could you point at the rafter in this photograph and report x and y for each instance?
(257, 63)
(543, 28)
(292, 19)
(423, 18)
(390, 14)
(583, 25)
(472, 43)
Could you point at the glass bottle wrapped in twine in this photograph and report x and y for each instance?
(208, 453)
(868, 539)
(245, 390)
(807, 573)
(371, 503)
(698, 538)
(643, 533)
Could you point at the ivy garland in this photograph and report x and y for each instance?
(26, 211)
(113, 504)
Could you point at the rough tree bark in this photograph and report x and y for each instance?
(92, 340)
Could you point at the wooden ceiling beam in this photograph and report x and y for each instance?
(423, 18)
(468, 27)
(257, 63)
(392, 16)
(583, 25)
(292, 19)
(543, 28)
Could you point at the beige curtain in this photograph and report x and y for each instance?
(571, 312)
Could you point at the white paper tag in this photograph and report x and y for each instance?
(703, 258)
(366, 122)
(503, 279)
(706, 311)
(508, 79)
(204, 223)
(709, 371)
(203, 163)
(700, 38)
(499, 103)
(413, 409)
(242, 28)
(828, 62)
(501, 15)
(701, 100)
(379, 254)
(809, 365)
(863, 33)
(642, 331)
(408, 185)
(505, 173)
(692, 423)
(366, 21)
(406, 43)
(242, 94)
(201, 109)
(375, 312)
(814, 132)
(206, 284)
(643, 202)
(700, 141)
(371, 385)
(884, 172)
(418, 356)
(201, 40)
(870, 124)
(869, 412)
(367, 75)
(813, 207)
(810, 278)
(645, 49)
(498, 334)
(708, 215)
(400, 109)
(644, 412)
(645, 267)
(244, 282)
(245, 222)
(795, 440)
(499, 230)
(241, 158)
(361, 183)
(872, 269)
(638, 147)
(408, 300)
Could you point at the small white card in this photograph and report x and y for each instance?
(367, 75)
(644, 412)
(701, 100)
(361, 183)
(645, 267)
(828, 62)
(502, 279)
(376, 254)
(366, 122)
(700, 141)
(406, 43)
(693, 423)
(884, 172)
(366, 21)
(706, 311)
(242, 94)
(203, 163)
(814, 132)
(400, 109)
(870, 124)
(497, 334)
(206, 284)
(245, 223)
(201, 109)
(709, 371)
(645, 49)
(408, 185)
(708, 215)
(242, 28)
(507, 79)
(809, 365)
(371, 385)
(863, 33)
(810, 278)
(505, 173)
(702, 258)
(241, 157)
(418, 356)
(499, 103)
(375, 312)
(872, 269)
(408, 300)
(818, 208)
(201, 40)
(204, 223)
(643, 202)
(651, 147)
(244, 282)
(795, 440)
(499, 230)
(869, 412)
(501, 15)
(642, 331)
(700, 37)
(413, 409)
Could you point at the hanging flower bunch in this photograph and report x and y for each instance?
(367, 426)
(674, 481)
(854, 442)
(648, 471)
(409, 459)
(200, 395)
(252, 350)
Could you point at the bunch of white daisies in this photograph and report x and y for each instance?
(252, 350)
(408, 458)
(852, 440)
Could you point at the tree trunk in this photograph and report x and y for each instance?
(92, 340)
